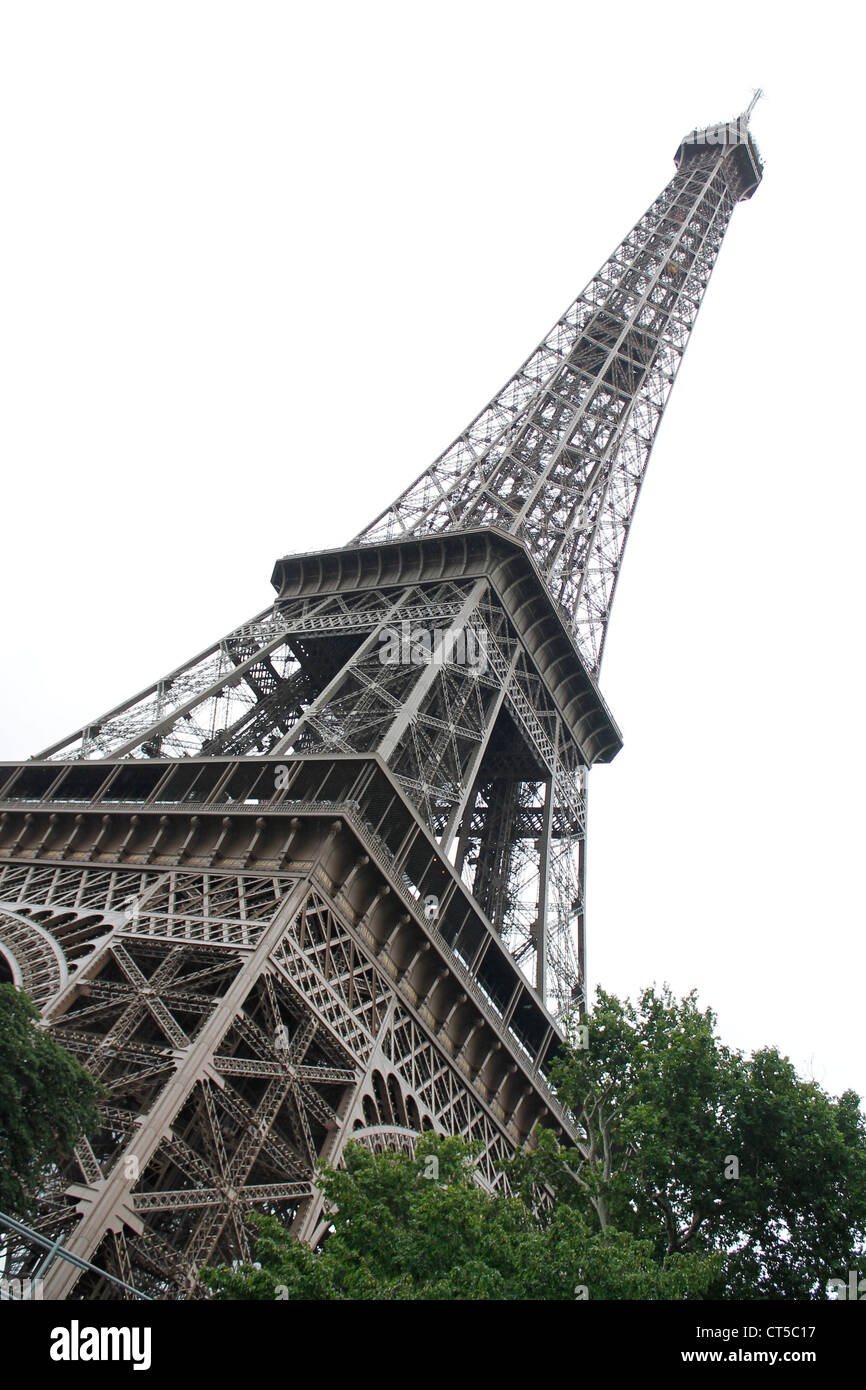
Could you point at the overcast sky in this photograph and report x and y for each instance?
(262, 262)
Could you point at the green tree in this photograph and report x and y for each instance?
(47, 1101)
(697, 1149)
(398, 1234)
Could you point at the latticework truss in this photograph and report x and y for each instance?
(246, 1025)
(558, 456)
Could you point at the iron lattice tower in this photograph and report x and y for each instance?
(326, 879)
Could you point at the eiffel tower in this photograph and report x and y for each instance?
(325, 881)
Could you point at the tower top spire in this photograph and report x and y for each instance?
(752, 104)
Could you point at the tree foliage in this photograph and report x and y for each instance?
(47, 1101)
(398, 1234)
(698, 1149)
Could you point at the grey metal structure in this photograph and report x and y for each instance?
(326, 879)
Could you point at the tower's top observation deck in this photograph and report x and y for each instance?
(736, 142)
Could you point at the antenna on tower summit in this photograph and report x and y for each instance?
(752, 104)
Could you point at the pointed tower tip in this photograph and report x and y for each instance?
(752, 104)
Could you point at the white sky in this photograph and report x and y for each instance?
(262, 262)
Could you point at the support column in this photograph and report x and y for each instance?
(107, 1205)
(429, 675)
